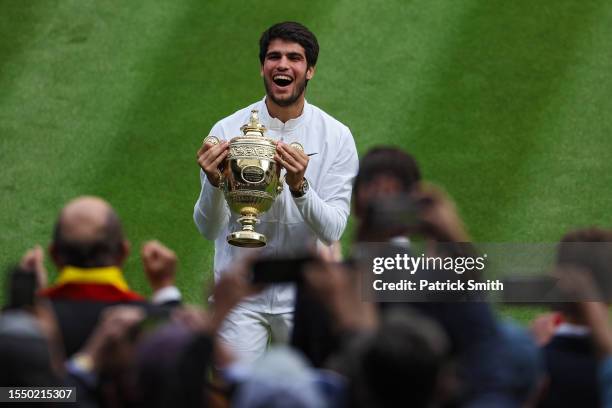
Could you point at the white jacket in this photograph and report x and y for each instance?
(292, 224)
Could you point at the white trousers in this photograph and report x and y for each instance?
(247, 333)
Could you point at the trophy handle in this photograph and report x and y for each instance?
(213, 140)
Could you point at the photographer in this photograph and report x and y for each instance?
(387, 174)
(571, 355)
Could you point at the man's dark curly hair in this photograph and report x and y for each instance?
(591, 250)
(388, 161)
(293, 32)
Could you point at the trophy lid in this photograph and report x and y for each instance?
(254, 127)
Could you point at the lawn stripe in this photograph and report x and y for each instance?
(571, 174)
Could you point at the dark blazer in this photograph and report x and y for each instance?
(77, 319)
(572, 366)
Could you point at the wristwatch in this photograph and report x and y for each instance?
(302, 190)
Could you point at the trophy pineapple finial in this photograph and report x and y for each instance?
(254, 119)
(254, 127)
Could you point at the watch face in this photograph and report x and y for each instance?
(305, 186)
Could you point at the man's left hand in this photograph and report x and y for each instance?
(159, 263)
(294, 161)
(33, 260)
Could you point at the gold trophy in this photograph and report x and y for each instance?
(250, 180)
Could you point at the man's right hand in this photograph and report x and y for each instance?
(235, 285)
(110, 344)
(439, 218)
(210, 156)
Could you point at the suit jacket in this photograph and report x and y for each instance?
(572, 366)
(77, 319)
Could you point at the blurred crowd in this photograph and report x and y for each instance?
(89, 330)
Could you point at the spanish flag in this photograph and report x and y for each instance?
(94, 284)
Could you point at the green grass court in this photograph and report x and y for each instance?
(505, 104)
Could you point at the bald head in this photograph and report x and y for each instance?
(88, 234)
(85, 219)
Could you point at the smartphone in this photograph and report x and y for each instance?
(279, 270)
(22, 288)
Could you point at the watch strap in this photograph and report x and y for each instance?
(301, 191)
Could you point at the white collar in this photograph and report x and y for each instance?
(276, 124)
(569, 329)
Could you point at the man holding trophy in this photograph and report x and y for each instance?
(249, 156)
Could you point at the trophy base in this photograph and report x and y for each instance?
(247, 239)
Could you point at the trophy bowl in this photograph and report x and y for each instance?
(250, 180)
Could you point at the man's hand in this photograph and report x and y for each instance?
(294, 161)
(440, 220)
(200, 322)
(210, 156)
(232, 288)
(159, 264)
(33, 260)
(110, 345)
(194, 318)
(543, 327)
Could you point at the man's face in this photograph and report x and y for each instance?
(375, 190)
(285, 72)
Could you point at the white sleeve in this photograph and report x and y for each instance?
(326, 211)
(211, 213)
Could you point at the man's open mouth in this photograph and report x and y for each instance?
(282, 80)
